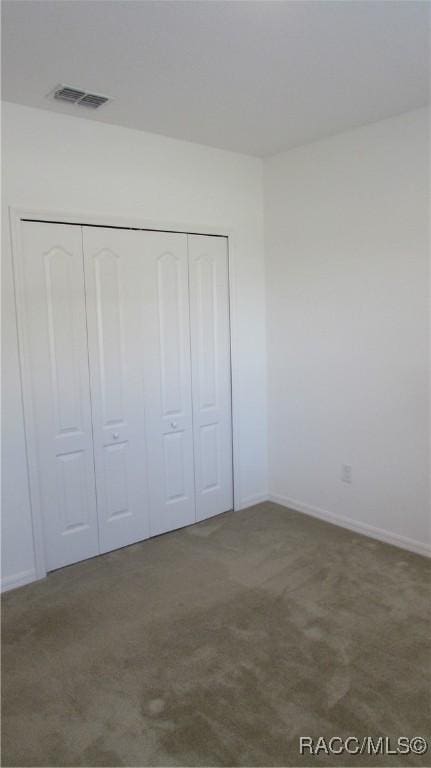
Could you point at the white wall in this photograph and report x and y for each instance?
(348, 298)
(346, 223)
(53, 161)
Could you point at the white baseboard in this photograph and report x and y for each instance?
(344, 522)
(18, 580)
(250, 501)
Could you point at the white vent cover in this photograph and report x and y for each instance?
(77, 96)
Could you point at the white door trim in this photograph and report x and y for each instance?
(16, 215)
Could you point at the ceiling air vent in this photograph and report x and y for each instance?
(77, 96)
(64, 93)
(92, 100)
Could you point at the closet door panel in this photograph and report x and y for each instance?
(211, 374)
(168, 381)
(170, 333)
(56, 348)
(114, 278)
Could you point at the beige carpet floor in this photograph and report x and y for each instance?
(219, 645)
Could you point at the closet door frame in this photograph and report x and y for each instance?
(16, 216)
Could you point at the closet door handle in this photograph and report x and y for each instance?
(115, 435)
(174, 424)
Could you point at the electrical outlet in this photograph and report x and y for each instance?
(346, 473)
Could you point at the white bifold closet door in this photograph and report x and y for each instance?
(114, 279)
(58, 400)
(211, 377)
(126, 346)
(168, 390)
